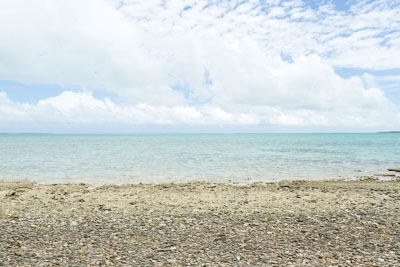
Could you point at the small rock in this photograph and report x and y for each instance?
(386, 174)
(11, 194)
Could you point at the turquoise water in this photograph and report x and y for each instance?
(237, 158)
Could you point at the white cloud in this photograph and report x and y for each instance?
(200, 62)
(82, 108)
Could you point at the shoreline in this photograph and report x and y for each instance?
(289, 222)
(391, 174)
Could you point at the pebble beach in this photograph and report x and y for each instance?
(315, 223)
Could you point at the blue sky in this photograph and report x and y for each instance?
(33, 92)
(206, 66)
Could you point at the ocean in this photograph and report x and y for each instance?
(227, 158)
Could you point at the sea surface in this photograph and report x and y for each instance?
(228, 158)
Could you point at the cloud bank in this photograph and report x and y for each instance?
(200, 62)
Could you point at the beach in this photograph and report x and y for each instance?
(331, 222)
(200, 133)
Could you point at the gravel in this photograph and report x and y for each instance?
(317, 223)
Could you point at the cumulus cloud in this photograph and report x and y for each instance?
(82, 108)
(200, 62)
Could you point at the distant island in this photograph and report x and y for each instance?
(390, 132)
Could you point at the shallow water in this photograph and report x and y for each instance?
(242, 158)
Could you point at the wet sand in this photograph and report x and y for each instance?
(262, 224)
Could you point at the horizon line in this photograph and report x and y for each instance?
(183, 133)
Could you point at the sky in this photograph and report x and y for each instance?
(127, 66)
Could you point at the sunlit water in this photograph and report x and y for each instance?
(236, 158)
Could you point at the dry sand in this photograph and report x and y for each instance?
(200, 224)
